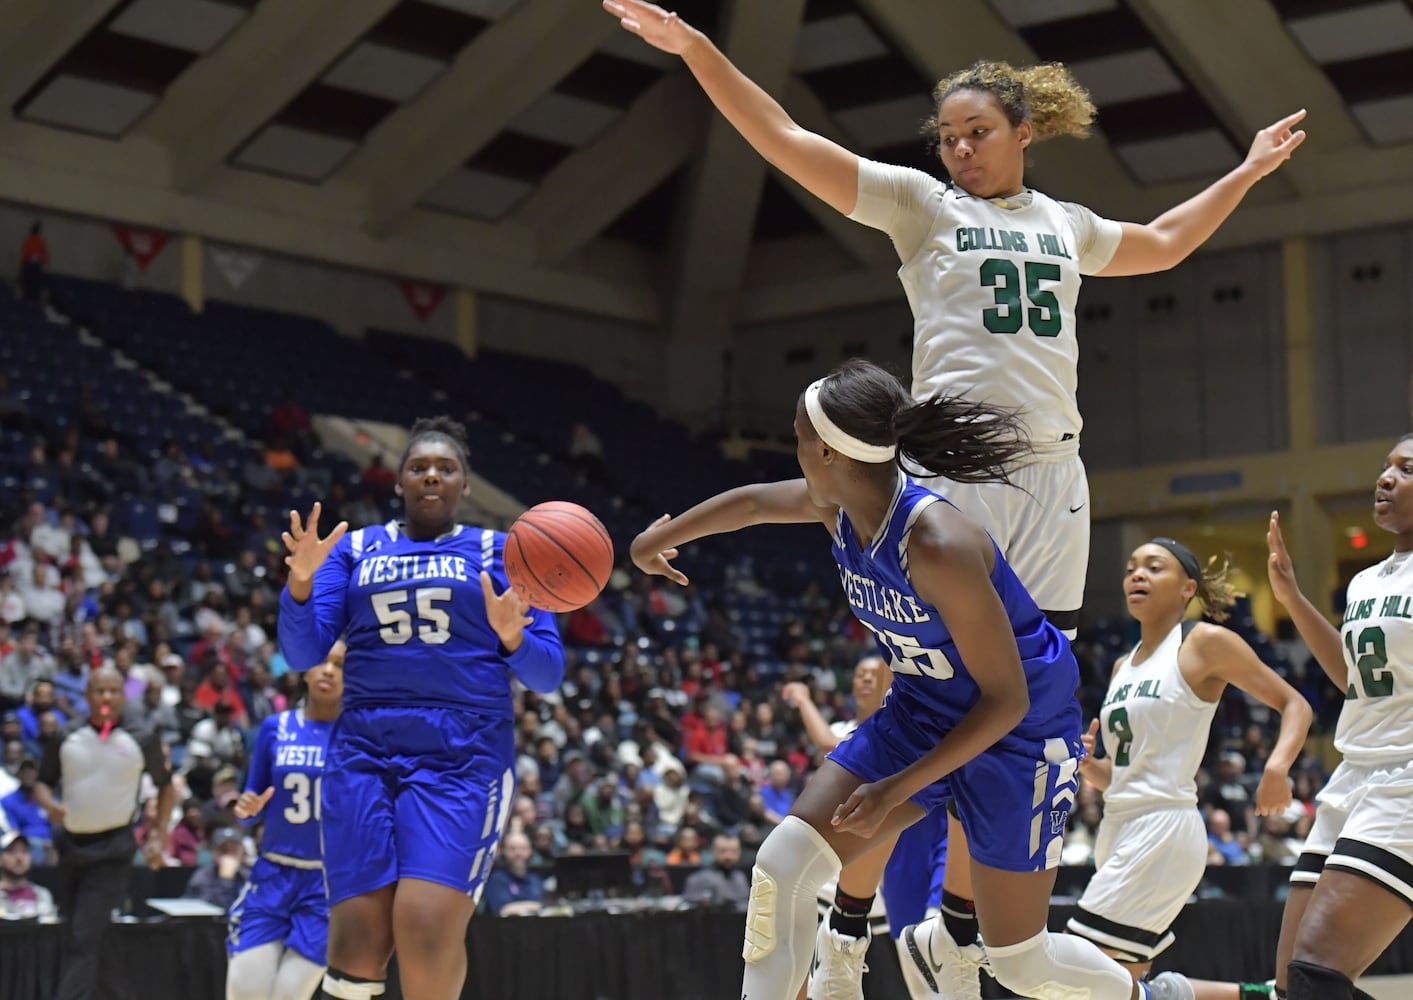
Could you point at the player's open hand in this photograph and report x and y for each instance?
(1273, 793)
(1278, 566)
(660, 28)
(1274, 144)
(1090, 739)
(249, 804)
(863, 812)
(654, 560)
(795, 693)
(307, 551)
(507, 613)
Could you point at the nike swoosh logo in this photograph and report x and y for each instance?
(1076, 510)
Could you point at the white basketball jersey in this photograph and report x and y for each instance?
(992, 285)
(1155, 731)
(1376, 723)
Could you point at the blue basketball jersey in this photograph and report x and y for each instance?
(931, 684)
(288, 756)
(414, 619)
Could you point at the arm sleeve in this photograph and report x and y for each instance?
(896, 200)
(258, 778)
(1098, 237)
(539, 661)
(50, 771)
(153, 760)
(308, 630)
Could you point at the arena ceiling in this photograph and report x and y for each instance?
(532, 148)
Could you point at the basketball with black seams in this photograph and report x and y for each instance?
(558, 556)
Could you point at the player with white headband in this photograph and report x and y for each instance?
(982, 710)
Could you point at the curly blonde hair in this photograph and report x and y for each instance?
(1215, 591)
(1047, 95)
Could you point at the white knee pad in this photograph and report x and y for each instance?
(297, 979)
(791, 866)
(251, 973)
(1059, 967)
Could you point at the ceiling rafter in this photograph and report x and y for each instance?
(582, 196)
(35, 39)
(500, 74)
(1250, 70)
(228, 96)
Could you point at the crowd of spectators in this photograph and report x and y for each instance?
(668, 740)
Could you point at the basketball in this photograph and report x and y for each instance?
(558, 555)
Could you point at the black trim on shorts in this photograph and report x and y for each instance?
(952, 810)
(1381, 859)
(1113, 928)
(1309, 863)
(1063, 620)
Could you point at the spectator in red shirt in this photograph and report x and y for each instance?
(34, 259)
(705, 745)
(189, 836)
(586, 628)
(378, 477)
(217, 687)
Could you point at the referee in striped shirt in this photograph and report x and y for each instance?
(97, 766)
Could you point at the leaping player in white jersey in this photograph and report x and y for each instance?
(992, 271)
(1152, 846)
(1351, 893)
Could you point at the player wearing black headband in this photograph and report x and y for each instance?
(1151, 849)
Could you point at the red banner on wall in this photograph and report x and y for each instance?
(143, 244)
(422, 297)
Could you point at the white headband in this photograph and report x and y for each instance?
(841, 440)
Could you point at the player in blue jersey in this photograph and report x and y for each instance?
(420, 775)
(982, 709)
(278, 927)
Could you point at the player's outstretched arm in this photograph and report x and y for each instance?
(763, 503)
(1171, 237)
(313, 610)
(822, 167)
(816, 728)
(1322, 637)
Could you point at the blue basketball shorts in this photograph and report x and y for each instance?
(1014, 799)
(912, 879)
(418, 793)
(281, 904)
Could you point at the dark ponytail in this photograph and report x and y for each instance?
(962, 440)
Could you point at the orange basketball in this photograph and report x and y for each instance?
(558, 555)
